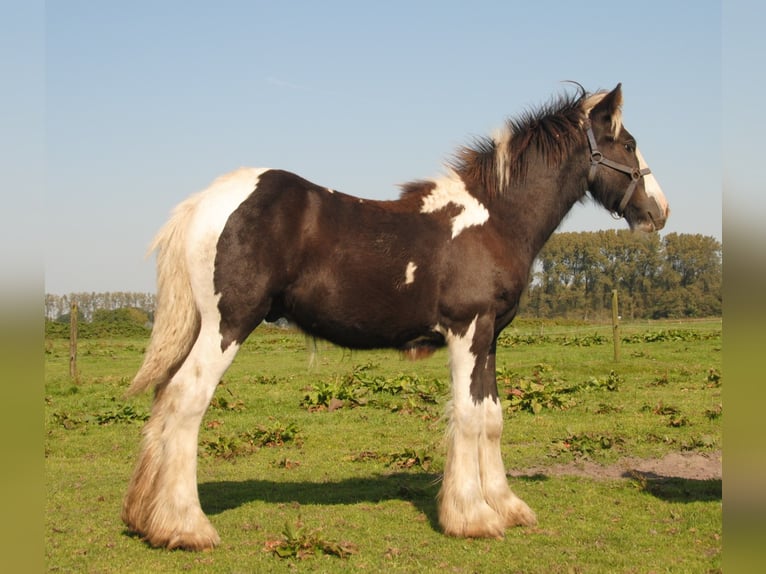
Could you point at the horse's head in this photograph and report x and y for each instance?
(618, 176)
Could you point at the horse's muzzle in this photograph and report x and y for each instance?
(658, 214)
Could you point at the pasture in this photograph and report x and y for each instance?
(318, 459)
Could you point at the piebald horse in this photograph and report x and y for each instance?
(443, 265)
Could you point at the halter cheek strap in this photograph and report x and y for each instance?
(597, 158)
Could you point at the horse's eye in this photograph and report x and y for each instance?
(631, 147)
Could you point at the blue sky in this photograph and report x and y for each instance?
(146, 102)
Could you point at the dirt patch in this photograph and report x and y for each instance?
(686, 465)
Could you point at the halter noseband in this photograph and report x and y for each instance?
(597, 158)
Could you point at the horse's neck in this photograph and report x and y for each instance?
(529, 212)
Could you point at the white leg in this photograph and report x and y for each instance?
(497, 493)
(463, 510)
(162, 502)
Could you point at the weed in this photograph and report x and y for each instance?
(678, 420)
(231, 446)
(404, 459)
(545, 390)
(671, 335)
(605, 409)
(408, 393)
(224, 404)
(699, 442)
(585, 340)
(713, 378)
(125, 414)
(226, 447)
(364, 456)
(288, 464)
(714, 413)
(657, 439)
(660, 381)
(277, 435)
(584, 445)
(662, 409)
(639, 480)
(511, 339)
(300, 543)
(337, 394)
(675, 417)
(67, 421)
(532, 394)
(610, 383)
(410, 458)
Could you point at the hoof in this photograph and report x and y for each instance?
(519, 514)
(479, 522)
(202, 539)
(513, 510)
(194, 541)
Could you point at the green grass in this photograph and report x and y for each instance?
(283, 472)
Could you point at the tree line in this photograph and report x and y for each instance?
(678, 275)
(58, 307)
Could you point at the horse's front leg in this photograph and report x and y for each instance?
(475, 500)
(497, 493)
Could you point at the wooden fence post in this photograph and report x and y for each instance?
(73, 342)
(615, 326)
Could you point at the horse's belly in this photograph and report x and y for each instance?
(368, 326)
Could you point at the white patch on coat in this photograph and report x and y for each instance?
(214, 207)
(451, 190)
(462, 363)
(652, 186)
(409, 273)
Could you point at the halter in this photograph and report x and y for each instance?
(597, 158)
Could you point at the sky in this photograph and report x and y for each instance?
(146, 102)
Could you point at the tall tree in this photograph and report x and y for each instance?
(677, 276)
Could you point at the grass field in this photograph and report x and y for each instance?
(318, 459)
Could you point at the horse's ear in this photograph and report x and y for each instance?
(608, 111)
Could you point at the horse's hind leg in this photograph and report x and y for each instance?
(187, 356)
(162, 502)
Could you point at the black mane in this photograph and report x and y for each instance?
(552, 130)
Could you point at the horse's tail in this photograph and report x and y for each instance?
(176, 318)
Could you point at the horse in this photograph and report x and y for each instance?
(445, 264)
